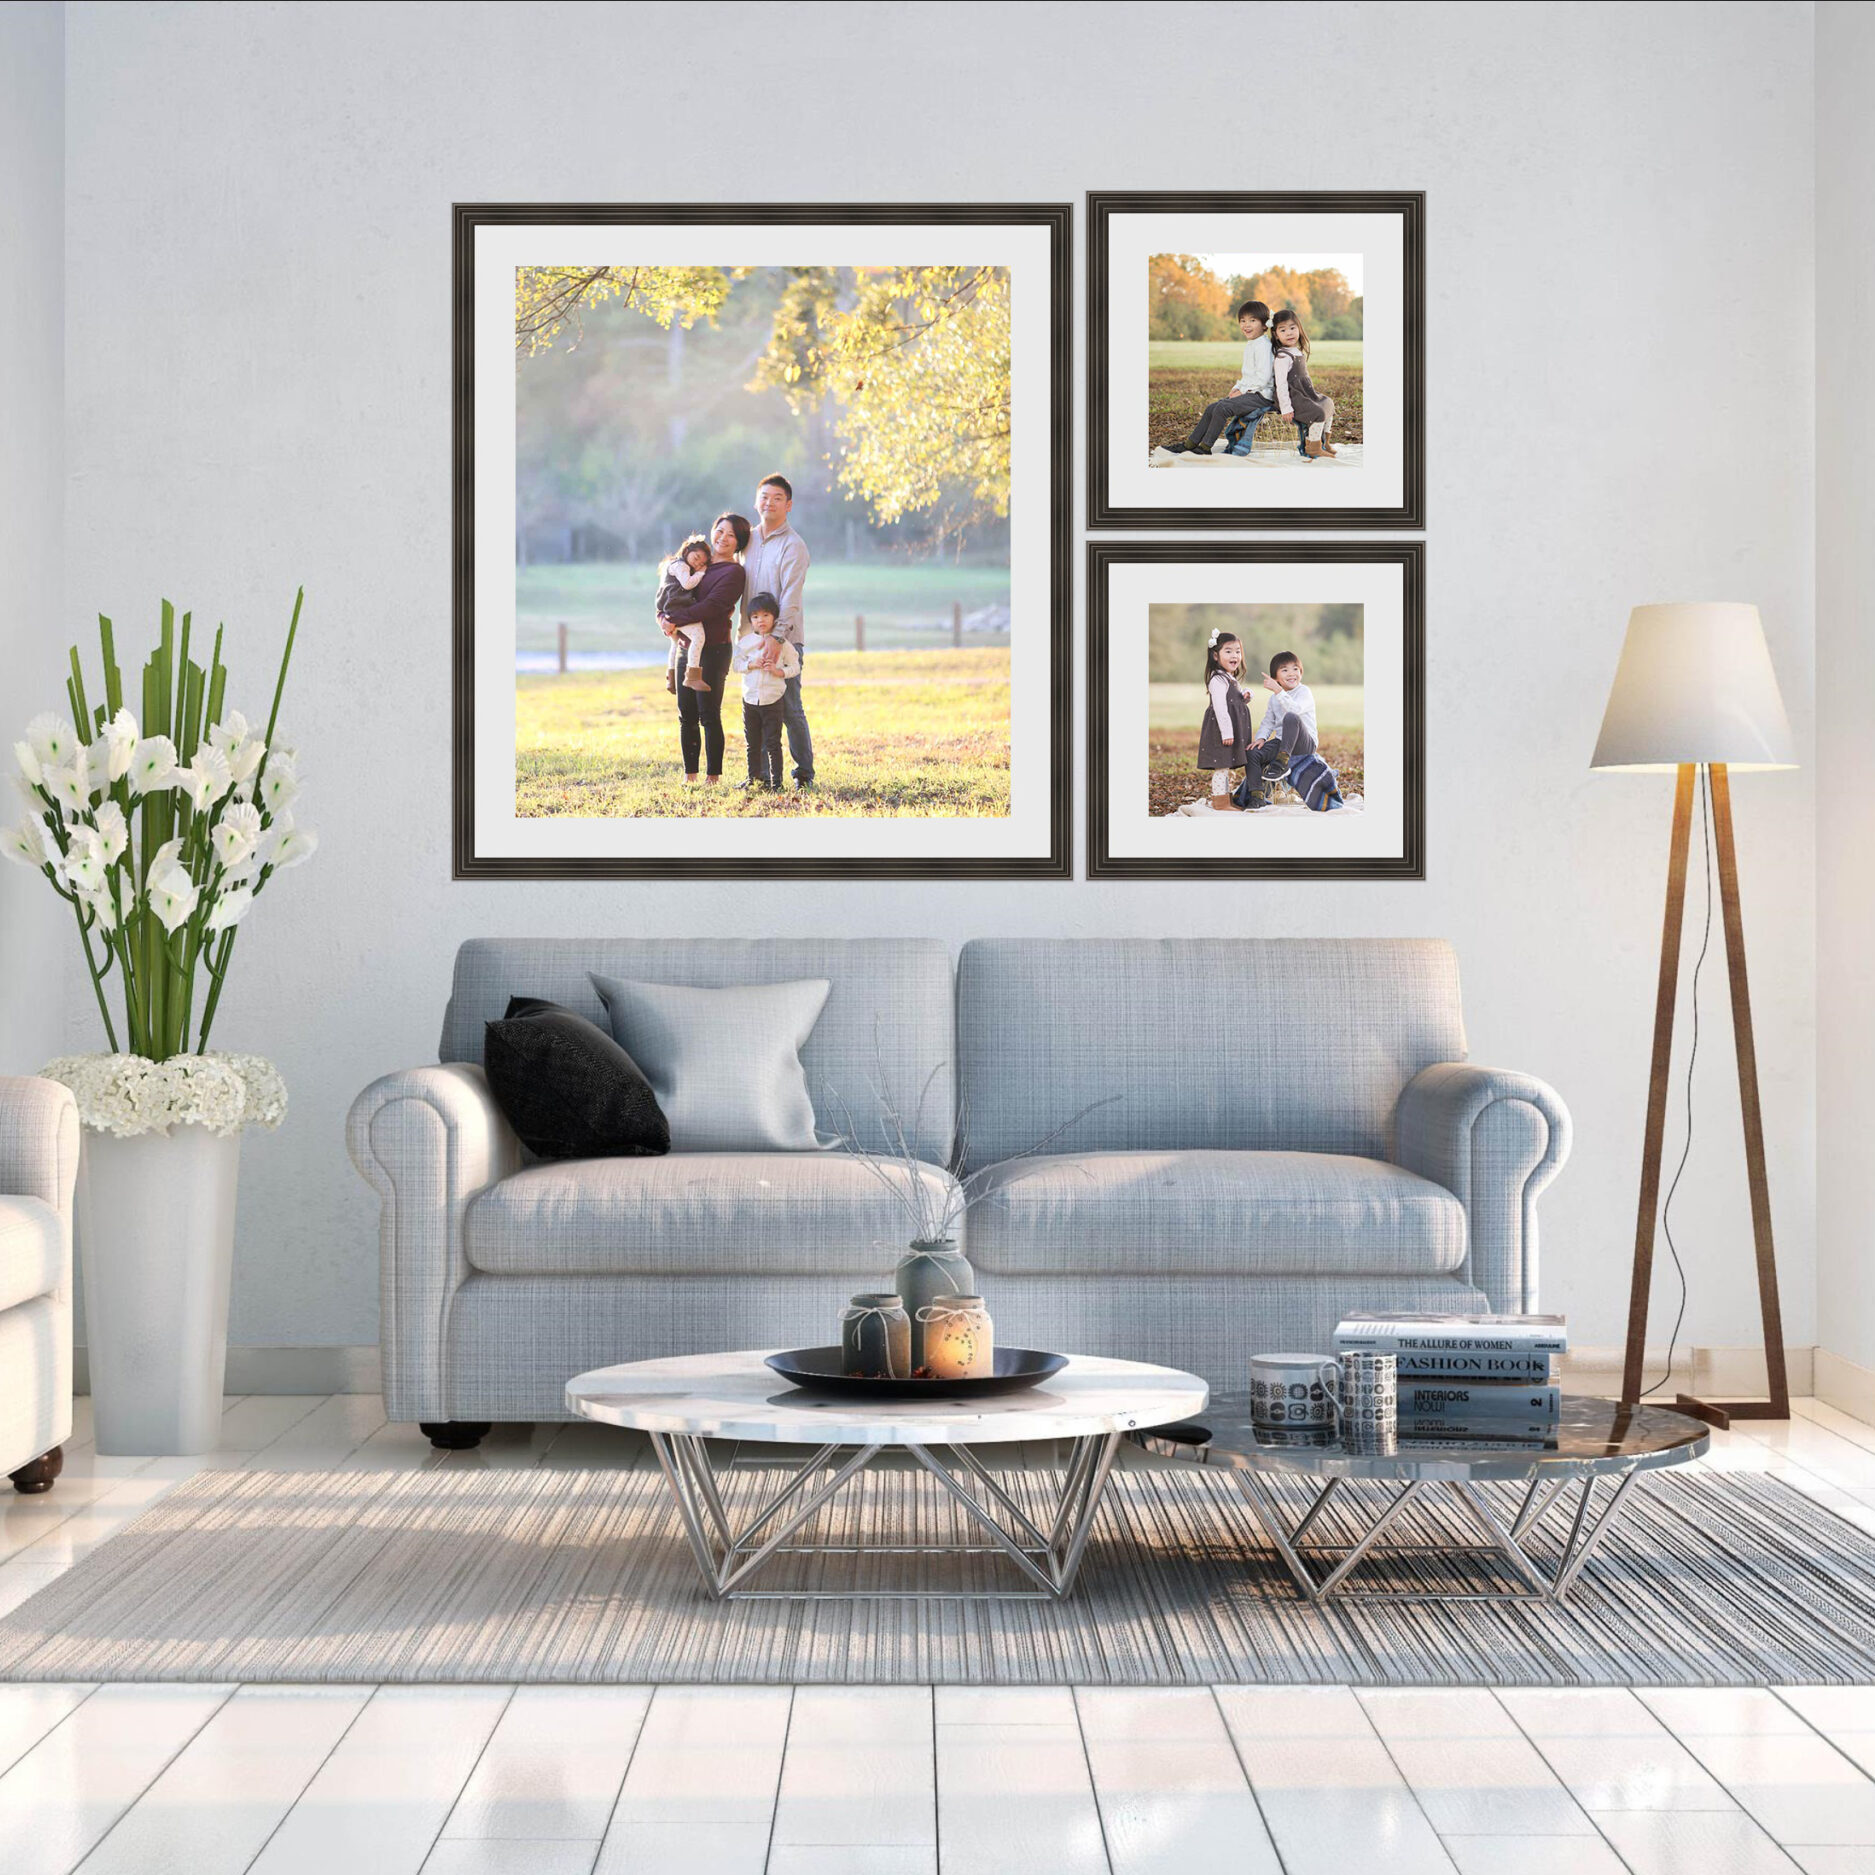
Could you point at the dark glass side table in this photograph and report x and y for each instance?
(1585, 1468)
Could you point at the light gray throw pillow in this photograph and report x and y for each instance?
(725, 1063)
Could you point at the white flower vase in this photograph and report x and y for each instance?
(155, 1229)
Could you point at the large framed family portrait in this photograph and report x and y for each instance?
(1256, 360)
(761, 540)
(1256, 710)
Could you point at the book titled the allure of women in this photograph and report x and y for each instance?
(1522, 1335)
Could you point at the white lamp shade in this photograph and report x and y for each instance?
(1695, 684)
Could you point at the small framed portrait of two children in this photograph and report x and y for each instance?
(1256, 711)
(1256, 360)
(762, 540)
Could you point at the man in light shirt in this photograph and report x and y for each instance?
(776, 562)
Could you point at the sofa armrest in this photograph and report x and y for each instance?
(1493, 1139)
(39, 1142)
(427, 1141)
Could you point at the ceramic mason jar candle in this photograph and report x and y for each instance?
(925, 1273)
(959, 1338)
(875, 1337)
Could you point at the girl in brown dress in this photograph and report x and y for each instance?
(1296, 396)
(1224, 732)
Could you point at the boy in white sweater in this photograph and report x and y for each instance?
(766, 663)
(1252, 396)
(1287, 733)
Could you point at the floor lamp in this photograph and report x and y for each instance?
(1695, 688)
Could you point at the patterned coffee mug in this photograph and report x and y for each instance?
(1294, 1389)
(1368, 1389)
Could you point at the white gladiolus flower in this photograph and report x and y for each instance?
(237, 834)
(118, 739)
(30, 769)
(231, 729)
(52, 739)
(294, 845)
(206, 779)
(113, 830)
(152, 765)
(230, 908)
(22, 844)
(279, 784)
(102, 907)
(173, 896)
(244, 758)
(67, 787)
(84, 865)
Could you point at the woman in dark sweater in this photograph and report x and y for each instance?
(713, 606)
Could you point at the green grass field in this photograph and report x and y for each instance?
(607, 604)
(896, 733)
(1338, 709)
(1227, 354)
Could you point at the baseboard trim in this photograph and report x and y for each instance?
(1843, 1384)
(280, 1370)
(1710, 1373)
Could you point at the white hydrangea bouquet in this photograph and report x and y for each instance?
(160, 834)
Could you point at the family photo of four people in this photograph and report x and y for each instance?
(732, 605)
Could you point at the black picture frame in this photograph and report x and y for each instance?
(1409, 555)
(1410, 205)
(1058, 219)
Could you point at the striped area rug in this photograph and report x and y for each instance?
(578, 1576)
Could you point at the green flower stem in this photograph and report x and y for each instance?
(97, 980)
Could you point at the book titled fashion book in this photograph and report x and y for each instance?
(1386, 1333)
(1479, 1399)
(1524, 1370)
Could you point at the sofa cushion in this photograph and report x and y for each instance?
(1329, 1030)
(695, 1214)
(889, 1017)
(32, 1250)
(1213, 1214)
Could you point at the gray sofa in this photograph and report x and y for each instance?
(1296, 1132)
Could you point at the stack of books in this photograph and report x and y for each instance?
(1466, 1378)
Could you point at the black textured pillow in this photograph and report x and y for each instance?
(567, 1088)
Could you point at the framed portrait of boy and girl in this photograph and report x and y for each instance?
(811, 615)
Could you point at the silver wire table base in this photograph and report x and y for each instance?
(1588, 1525)
(1047, 1554)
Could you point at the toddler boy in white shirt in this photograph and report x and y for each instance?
(1287, 734)
(1252, 396)
(766, 663)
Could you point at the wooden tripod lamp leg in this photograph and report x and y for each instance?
(1631, 1373)
(1778, 1405)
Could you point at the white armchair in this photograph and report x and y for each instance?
(38, 1171)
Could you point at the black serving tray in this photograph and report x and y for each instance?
(822, 1370)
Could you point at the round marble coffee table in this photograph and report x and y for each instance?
(1594, 1442)
(1092, 1404)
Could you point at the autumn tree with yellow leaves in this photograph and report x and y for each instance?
(912, 364)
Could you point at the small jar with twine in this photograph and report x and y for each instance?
(959, 1338)
(875, 1337)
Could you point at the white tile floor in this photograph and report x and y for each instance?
(710, 1780)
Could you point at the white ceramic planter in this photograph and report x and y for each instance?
(155, 1229)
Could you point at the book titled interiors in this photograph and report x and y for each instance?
(1479, 1399)
(1375, 1333)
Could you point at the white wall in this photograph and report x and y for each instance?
(1845, 724)
(32, 442)
(259, 393)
